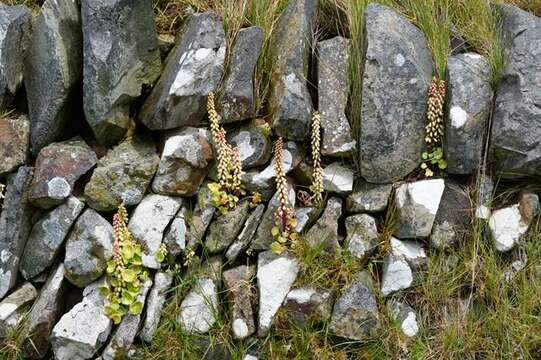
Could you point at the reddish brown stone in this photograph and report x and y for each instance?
(14, 138)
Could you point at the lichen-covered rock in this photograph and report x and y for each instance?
(333, 90)
(397, 72)
(14, 140)
(289, 97)
(469, 102)
(397, 275)
(417, 204)
(199, 308)
(53, 69)
(369, 198)
(15, 225)
(362, 235)
(246, 235)
(155, 304)
(184, 162)
(198, 224)
(240, 293)
(324, 232)
(121, 56)
(193, 69)
(58, 167)
(355, 313)
(122, 175)
(88, 248)
(47, 237)
(225, 228)
(516, 125)
(254, 144)
(14, 307)
(337, 178)
(237, 100)
(406, 317)
(15, 26)
(305, 304)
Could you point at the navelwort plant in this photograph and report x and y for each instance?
(434, 129)
(317, 179)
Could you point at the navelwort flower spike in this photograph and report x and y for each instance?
(435, 127)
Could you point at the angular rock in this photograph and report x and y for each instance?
(122, 175)
(148, 223)
(338, 178)
(117, 63)
(82, 331)
(15, 225)
(58, 167)
(13, 307)
(198, 224)
(305, 216)
(225, 228)
(469, 102)
(184, 162)
(362, 235)
(15, 26)
(516, 125)
(239, 289)
(246, 235)
(254, 144)
(406, 317)
(47, 237)
(333, 90)
(411, 251)
(14, 139)
(397, 72)
(52, 74)
(193, 69)
(44, 314)
(369, 198)
(155, 304)
(417, 204)
(305, 304)
(237, 100)
(275, 275)
(175, 236)
(88, 248)
(485, 187)
(355, 313)
(199, 307)
(397, 275)
(325, 231)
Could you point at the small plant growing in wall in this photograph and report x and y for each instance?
(433, 157)
(317, 177)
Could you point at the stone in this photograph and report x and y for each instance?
(338, 178)
(155, 304)
(305, 216)
(58, 167)
(469, 103)
(305, 304)
(246, 235)
(254, 144)
(355, 312)
(225, 228)
(184, 162)
(14, 307)
(122, 175)
(406, 317)
(15, 225)
(240, 293)
(369, 198)
(88, 248)
(15, 27)
(83, 330)
(417, 204)
(237, 99)
(199, 308)
(362, 235)
(198, 224)
(485, 187)
(275, 275)
(397, 275)
(175, 237)
(44, 314)
(14, 141)
(411, 251)
(52, 75)
(509, 224)
(47, 238)
(453, 218)
(117, 65)
(516, 124)
(148, 223)
(333, 91)
(397, 73)
(193, 69)
(324, 233)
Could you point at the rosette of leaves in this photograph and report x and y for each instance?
(435, 159)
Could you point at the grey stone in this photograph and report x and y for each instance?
(412, 252)
(355, 313)
(362, 235)
(198, 224)
(289, 96)
(13, 307)
(305, 216)
(369, 198)
(193, 69)
(15, 225)
(469, 102)
(155, 304)
(225, 228)
(53, 69)
(485, 187)
(88, 248)
(337, 178)
(14, 141)
(246, 235)
(333, 90)
(397, 275)
(184, 162)
(397, 72)
(122, 175)
(254, 144)
(406, 317)
(240, 293)
(47, 237)
(237, 100)
(199, 308)
(58, 167)
(148, 223)
(324, 233)
(15, 26)
(175, 236)
(516, 125)
(305, 304)
(118, 62)
(275, 275)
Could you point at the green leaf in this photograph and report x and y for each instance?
(136, 308)
(127, 298)
(160, 256)
(442, 164)
(104, 290)
(129, 275)
(111, 265)
(127, 253)
(277, 248)
(117, 318)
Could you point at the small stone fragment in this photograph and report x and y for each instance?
(155, 304)
(325, 231)
(397, 275)
(337, 178)
(362, 235)
(406, 317)
(485, 187)
(225, 228)
(305, 304)
(369, 198)
(238, 284)
(175, 236)
(305, 216)
(254, 144)
(13, 307)
(246, 235)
